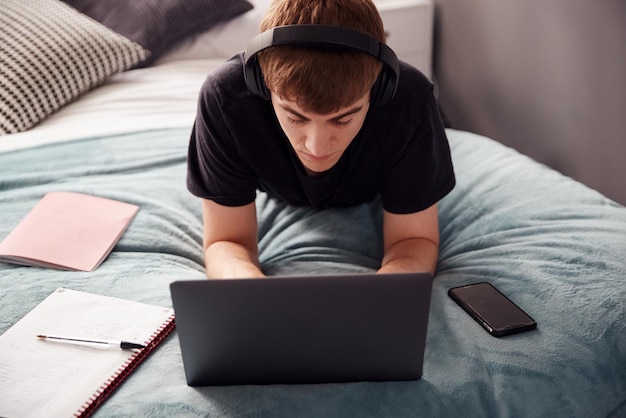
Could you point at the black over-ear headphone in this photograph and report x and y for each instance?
(322, 36)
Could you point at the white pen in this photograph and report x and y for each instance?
(121, 344)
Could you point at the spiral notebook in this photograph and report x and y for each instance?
(49, 378)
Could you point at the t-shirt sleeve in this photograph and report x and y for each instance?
(424, 173)
(216, 169)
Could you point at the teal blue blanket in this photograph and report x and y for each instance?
(552, 245)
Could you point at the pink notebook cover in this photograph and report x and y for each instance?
(69, 231)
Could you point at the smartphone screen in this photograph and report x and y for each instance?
(494, 311)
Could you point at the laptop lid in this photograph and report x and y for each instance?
(303, 329)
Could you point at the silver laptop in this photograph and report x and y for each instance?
(303, 329)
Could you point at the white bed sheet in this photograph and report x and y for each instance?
(161, 96)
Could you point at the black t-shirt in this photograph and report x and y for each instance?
(237, 146)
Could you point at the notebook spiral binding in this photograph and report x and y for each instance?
(108, 387)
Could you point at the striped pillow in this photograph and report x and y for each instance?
(51, 54)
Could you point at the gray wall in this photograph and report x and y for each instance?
(547, 77)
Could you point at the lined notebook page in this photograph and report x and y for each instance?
(47, 378)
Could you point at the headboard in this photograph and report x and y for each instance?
(547, 78)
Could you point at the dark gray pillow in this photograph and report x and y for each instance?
(50, 55)
(158, 25)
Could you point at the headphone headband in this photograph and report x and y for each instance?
(320, 36)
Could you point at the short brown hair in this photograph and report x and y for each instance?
(321, 80)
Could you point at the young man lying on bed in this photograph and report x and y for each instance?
(319, 126)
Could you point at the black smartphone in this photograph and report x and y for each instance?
(491, 309)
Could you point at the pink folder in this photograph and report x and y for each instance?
(69, 231)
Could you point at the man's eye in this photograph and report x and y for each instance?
(342, 122)
(295, 121)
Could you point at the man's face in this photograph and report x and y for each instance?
(320, 140)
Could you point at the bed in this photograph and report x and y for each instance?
(554, 246)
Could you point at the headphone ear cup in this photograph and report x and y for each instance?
(384, 88)
(254, 78)
(375, 92)
(264, 92)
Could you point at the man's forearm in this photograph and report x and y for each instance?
(414, 254)
(227, 259)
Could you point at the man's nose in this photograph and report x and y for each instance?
(317, 141)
